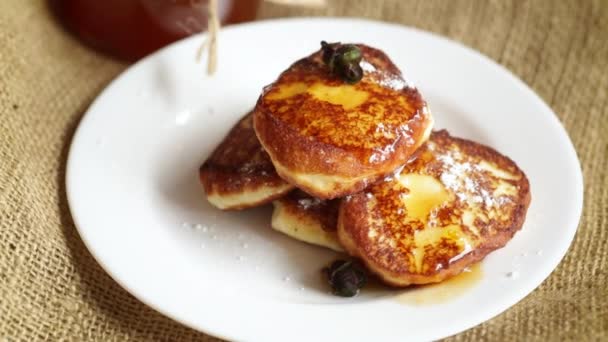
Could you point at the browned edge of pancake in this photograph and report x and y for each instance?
(240, 165)
(307, 152)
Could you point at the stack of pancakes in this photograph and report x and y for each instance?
(357, 168)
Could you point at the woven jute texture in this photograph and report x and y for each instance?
(52, 289)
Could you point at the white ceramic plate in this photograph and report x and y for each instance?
(134, 194)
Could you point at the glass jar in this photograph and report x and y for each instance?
(131, 29)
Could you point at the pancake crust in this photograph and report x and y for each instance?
(330, 138)
(307, 219)
(239, 173)
(448, 208)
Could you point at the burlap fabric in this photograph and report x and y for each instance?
(52, 289)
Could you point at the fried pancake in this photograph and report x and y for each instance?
(239, 173)
(307, 219)
(453, 204)
(331, 138)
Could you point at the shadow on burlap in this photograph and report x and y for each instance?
(52, 289)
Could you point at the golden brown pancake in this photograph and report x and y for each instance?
(239, 173)
(448, 208)
(331, 138)
(307, 219)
